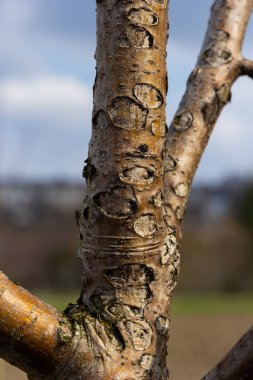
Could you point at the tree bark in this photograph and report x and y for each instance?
(129, 259)
(138, 181)
(32, 333)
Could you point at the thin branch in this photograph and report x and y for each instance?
(208, 91)
(238, 363)
(247, 67)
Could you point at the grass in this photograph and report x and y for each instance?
(58, 300)
(212, 304)
(182, 303)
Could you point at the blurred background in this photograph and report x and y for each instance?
(47, 71)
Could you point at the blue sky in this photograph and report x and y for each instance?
(47, 71)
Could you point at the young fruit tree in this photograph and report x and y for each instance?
(138, 177)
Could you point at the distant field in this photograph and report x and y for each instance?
(212, 304)
(203, 328)
(182, 304)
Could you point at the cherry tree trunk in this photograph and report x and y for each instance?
(128, 247)
(138, 177)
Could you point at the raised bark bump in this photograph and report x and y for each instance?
(137, 175)
(162, 4)
(108, 201)
(148, 95)
(158, 199)
(145, 226)
(136, 37)
(142, 16)
(146, 361)
(127, 113)
(217, 55)
(140, 334)
(159, 128)
(181, 189)
(183, 120)
(125, 276)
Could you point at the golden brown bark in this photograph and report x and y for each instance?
(31, 331)
(138, 180)
(129, 257)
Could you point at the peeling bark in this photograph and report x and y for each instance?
(138, 181)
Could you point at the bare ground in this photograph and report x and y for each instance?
(197, 343)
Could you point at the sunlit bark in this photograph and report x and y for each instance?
(129, 256)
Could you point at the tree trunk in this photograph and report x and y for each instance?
(138, 180)
(130, 260)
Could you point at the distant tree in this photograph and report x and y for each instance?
(244, 210)
(138, 180)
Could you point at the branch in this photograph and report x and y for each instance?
(29, 330)
(208, 91)
(247, 68)
(48, 345)
(238, 363)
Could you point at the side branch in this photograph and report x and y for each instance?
(48, 345)
(247, 68)
(238, 363)
(208, 90)
(29, 331)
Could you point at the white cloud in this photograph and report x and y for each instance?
(52, 100)
(45, 125)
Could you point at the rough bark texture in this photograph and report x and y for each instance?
(138, 181)
(129, 259)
